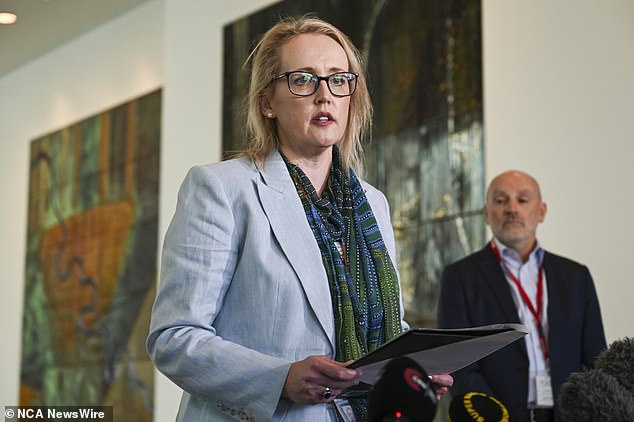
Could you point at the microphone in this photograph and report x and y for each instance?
(618, 360)
(403, 393)
(474, 406)
(595, 396)
(605, 393)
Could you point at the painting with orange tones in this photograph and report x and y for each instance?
(91, 264)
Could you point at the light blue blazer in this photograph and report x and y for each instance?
(243, 293)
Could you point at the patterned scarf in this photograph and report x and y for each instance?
(362, 279)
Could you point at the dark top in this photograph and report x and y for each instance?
(474, 292)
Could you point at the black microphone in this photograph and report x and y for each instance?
(474, 406)
(594, 396)
(618, 360)
(605, 393)
(403, 393)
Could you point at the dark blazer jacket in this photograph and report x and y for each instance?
(475, 292)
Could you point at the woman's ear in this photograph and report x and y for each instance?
(266, 109)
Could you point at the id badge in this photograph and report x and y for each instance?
(344, 410)
(544, 391)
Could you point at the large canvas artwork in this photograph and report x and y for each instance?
(91, 262)
(424, 63)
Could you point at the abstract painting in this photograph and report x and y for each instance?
(91, 262)
(424, 66)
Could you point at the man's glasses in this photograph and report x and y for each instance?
(303, 84)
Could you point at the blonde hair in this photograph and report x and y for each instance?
(261, 131)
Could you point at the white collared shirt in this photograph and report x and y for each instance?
(528, 273)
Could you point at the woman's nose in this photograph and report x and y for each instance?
(322, 94)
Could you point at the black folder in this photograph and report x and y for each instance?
(437, 350)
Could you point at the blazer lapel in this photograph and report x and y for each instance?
(558, 303)
(286, 215)
(498, 284)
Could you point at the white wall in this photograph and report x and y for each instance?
(107, 66)
(163, 43)
(559, 104)
(558, 96)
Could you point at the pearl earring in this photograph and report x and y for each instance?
(269, 115)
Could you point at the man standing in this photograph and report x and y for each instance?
(514, 280)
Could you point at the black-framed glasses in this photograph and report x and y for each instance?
(303, 84)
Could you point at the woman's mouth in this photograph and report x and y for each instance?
(323, 118)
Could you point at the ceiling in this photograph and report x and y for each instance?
(44, 25)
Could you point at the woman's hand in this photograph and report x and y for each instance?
(442, 382)
(318, 379)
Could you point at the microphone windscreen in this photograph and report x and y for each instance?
(403, 392)
(594, 396)
(474, 406)
(618, 361)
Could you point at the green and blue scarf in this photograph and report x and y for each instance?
(362, 279)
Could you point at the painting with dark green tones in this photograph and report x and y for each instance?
(91, 262)
(424, 67)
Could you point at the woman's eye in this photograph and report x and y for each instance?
(303, 79)
(338, 80)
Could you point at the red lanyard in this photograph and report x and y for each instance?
(537, 313)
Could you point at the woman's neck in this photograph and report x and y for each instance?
(316, 168)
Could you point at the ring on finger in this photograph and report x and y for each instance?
(327, 393)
